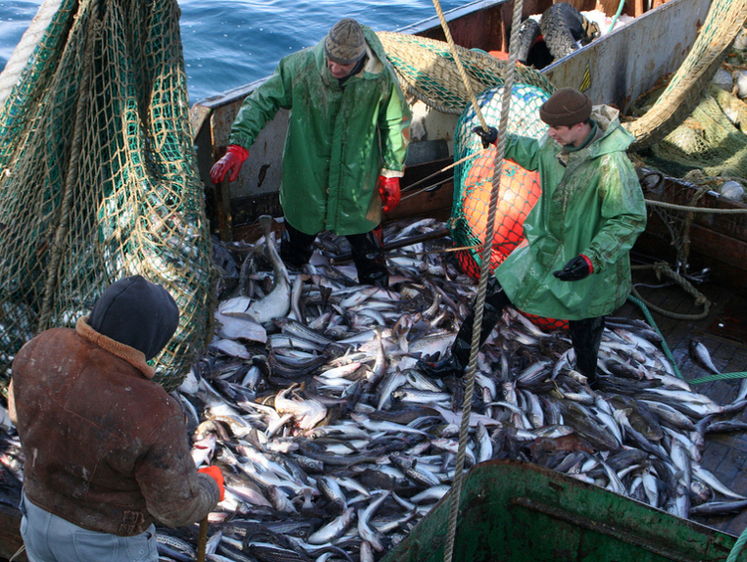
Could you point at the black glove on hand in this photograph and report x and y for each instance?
(488, 137)
(441, 369)
(576, 269)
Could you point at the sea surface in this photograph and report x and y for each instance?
(229, 43)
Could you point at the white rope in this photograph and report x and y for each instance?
(456, 491)
(31, 37)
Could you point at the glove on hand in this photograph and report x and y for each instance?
(441, 369)
(389, 192)
(576, 269)
(231, 162)
(488, 137)
(215, 473)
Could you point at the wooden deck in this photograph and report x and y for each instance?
(724, 333)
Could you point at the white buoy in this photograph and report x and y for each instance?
(723, 79)
(732, 190)
(740, 77)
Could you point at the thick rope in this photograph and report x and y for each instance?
(59, 242)
(737, 548)
(460, 66)
(456, 490)
(29, 41)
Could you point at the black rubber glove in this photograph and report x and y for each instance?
(488, 137)
(575, 270)
(441, 369)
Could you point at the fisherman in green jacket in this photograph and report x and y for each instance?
(347, 136)
(573, 263)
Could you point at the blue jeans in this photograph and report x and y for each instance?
(49, 538)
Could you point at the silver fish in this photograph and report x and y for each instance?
(334, 529)
(700, 353)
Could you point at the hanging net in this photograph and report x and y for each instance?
(427, 71)
(99, 177)
(519, 188)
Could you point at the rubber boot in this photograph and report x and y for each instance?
(495, 301)
(296, 247)
(368, 256)
(586, 336)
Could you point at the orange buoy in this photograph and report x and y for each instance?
(519, 191)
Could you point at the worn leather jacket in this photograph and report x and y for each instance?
(105, 448)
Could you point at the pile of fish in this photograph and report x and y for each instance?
(334, 445)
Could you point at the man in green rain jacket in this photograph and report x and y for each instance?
(347, 136)
(573, 263)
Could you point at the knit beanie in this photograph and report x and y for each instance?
(136, 312)
(566, 107)
(345, 43)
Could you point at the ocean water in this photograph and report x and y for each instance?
(228, 43)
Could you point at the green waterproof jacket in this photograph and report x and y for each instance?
(339, 138)
(594, 206)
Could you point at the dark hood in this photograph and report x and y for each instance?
(136, 312)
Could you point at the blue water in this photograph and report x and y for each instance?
(229, 43)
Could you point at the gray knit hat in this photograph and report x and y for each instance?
(345, 43)
(566, 107)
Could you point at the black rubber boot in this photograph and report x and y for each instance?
(368, 256)
(495, 301)
(586, 336)
(296, 247)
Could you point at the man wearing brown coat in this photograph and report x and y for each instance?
(106, 449)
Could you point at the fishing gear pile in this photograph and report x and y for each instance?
(99, 176)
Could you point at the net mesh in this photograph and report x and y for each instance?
(710, 140)
(427, 71)
(519, 188)
(99, 177)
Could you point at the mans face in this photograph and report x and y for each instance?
(575, 134)
(339, 70)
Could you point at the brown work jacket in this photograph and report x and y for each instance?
(105, 447)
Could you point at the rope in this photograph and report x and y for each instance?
(737, 548)
(663, 268)
(460, 67)
(456, 490)
(719, 377)
(724, 20)
(650, 319)
(59, 246)
(675, 207)
(30, 39)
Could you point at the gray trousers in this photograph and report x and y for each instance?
(49, 538)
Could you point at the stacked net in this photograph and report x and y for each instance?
(709, 140)
(99, 177)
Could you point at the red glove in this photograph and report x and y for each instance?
(231, 162)
(215, 473)
(389, 192)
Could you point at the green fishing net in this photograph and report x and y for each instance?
(99, 178)
(473, 175)
(711, 139)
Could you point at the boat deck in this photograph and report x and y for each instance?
(724, 333)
